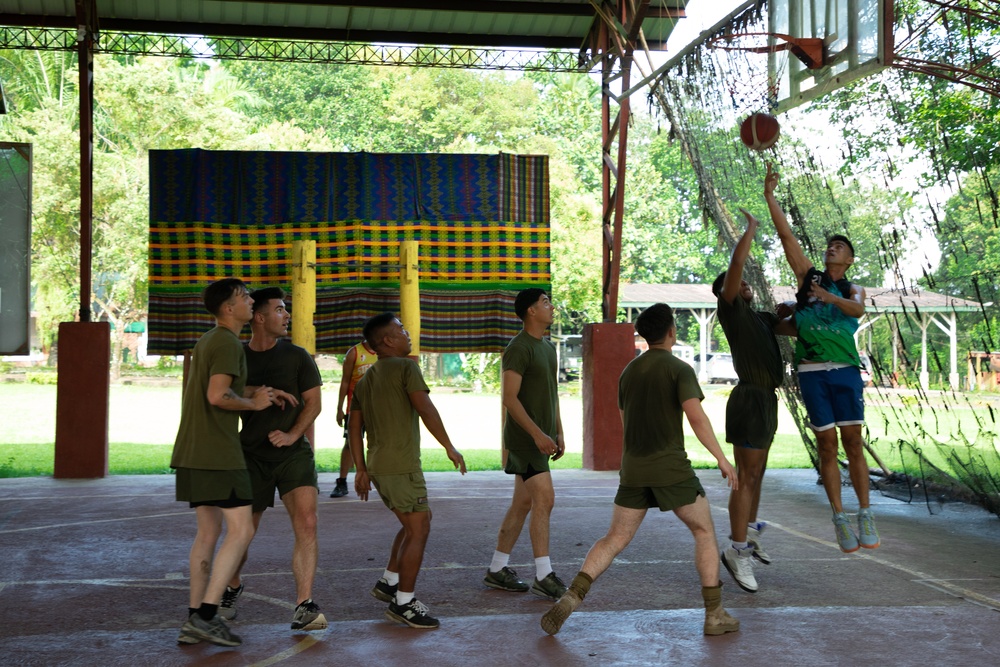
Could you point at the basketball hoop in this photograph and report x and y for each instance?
(810, 50)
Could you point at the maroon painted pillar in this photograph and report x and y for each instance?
(607, 349)
(82, 400)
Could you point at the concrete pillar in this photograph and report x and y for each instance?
(82, 393)
(607, 349)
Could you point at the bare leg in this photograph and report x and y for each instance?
(829, 468)
(749, 469)
(625, 522)
(857, 464)
(203, 551)
(408, 547)
(346, 461)
(239, 533)
(543, 498)
(513, 521)
(756, 495)
(235, 581)
(301, 505)
(698, 518)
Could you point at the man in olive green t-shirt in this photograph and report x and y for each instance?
(211, 472)
(532, 434)
(655, 391)
(388, 402)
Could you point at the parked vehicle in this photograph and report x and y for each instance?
(719, 368)
(682, 351)
(570, 357)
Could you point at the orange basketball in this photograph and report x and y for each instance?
(760, 131)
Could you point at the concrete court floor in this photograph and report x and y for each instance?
(93, 573)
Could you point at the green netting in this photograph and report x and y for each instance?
(931, 426)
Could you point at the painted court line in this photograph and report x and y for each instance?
(917, 576)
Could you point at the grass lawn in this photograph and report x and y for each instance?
(143, 421)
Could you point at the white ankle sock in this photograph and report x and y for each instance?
(402, 598)
(391, 578)
(499, 562)
(543, 567)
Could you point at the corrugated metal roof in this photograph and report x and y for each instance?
(879, 299)
(562, 24)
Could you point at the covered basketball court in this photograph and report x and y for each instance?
(94, 573)
(95, 568)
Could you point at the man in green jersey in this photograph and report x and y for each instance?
(532, 435)
(278, 452)
(388, 401)
(752, 410)
(655, 391)
(829, 368)
(211, 473)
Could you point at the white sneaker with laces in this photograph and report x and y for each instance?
(740, 565)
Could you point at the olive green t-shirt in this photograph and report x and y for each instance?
(651, 390)
(287, 367)
(208, 437)
(534, 359)
(392, 426)
(756, 355)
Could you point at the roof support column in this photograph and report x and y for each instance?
(86, 16)
(615, 45)
(609, 347)
(82, 390)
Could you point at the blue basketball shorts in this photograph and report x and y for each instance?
(833, 397)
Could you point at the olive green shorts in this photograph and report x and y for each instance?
(666, 498)
(297, 470)
(751, 416)
(222, 488)
(404, 493)
(521, 463)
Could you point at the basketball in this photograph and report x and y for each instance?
(760, 131)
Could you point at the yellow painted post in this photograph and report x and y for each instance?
(409, 291)
(304, 294)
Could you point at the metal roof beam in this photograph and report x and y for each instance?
(479, 7)
(300, 34)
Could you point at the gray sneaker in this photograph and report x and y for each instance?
(227, 608)
(846, 538)
(215, 631)
(867, 532)
(550, 587)
(185, 638)
(384, 591)
(505, 580)
(308, 617)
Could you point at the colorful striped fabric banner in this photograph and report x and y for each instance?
(482, 223)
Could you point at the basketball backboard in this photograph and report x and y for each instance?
(857, 36)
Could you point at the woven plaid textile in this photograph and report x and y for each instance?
(482, 223)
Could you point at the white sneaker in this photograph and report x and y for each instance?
(753, 539)
(741, 567)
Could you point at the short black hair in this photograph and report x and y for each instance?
(263, 295)
(654, 322)
(841, 237)
(219, 293)
(375, 326)
(717, 285)
(525, 299)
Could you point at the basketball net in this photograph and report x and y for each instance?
(754, 64)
